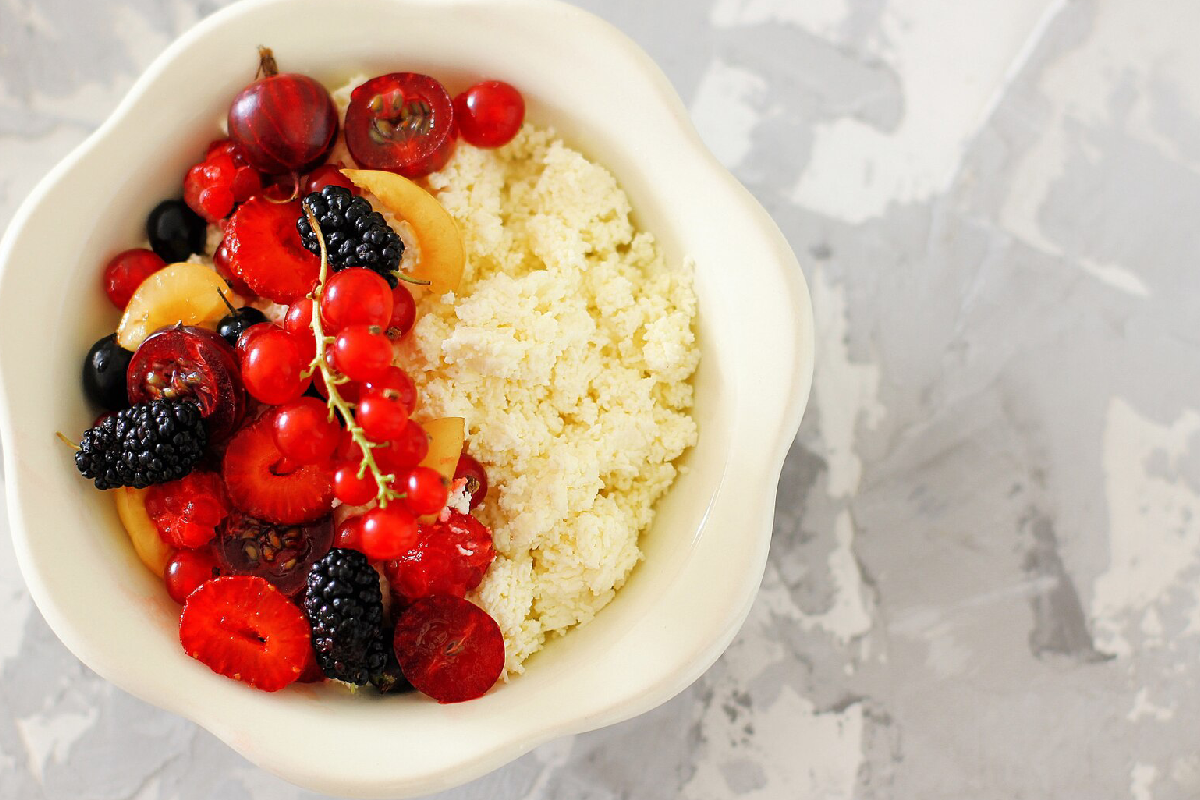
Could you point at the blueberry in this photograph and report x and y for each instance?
(232, 326)
(175, 231)
(104, 374)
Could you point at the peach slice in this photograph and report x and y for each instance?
(446, 436)
(442, 254)
(180, 293)
(149, 546)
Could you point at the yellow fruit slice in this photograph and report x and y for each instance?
(446, 436)
(180, 293)
(150, 548)
(442, 255)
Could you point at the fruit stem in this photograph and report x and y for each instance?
(225, 300)
(267, 68)
(67, 441)
(407, 279)
(383, 482)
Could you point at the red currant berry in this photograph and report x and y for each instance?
(396, 380)
(328, 175)
(348, 533)
(404, 452)
(348, 449)
(404, 311)
(298, 323)
(356, 296)
(272, 367)
(351, 489)
(186, 570)
(249, 335)
(348, 390)
(362, 352)
(304, 432)
(382, 417)
(126, 271)
(477, 482)
(425, 490)
(489, 114)
(388, 533)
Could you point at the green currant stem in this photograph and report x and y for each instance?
(337, 403)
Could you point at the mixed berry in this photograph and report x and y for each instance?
(274, 467)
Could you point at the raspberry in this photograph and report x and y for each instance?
(244, 628)
(449, 648)
(223, 179)
(261, 482)
(188, 511)
(449, 558)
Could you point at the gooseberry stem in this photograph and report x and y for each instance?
(267, 68)
(337, 403)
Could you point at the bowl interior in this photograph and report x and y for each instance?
(704, 552)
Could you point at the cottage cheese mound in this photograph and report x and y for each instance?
(568, 350)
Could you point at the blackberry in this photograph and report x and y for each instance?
(147, 443)
(356, 235)
(345, 609)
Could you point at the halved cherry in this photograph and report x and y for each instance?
(193, 363)
(281, 554)
(403, 122)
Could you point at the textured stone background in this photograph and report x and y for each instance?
(983, 579)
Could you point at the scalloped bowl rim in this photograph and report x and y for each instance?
(676, 620)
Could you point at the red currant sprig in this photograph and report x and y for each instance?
(384, 493)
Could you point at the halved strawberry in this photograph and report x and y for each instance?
(265, 250)
(244, 628)
(264, 484)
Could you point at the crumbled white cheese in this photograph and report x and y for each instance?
(568, 350)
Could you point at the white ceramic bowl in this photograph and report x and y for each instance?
(704, 555)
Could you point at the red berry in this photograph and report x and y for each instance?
(356, 296)
(125, 272)
(404, 311)
(261, 482)
(349, 390)
(382, 417)
(352, 489)
(404, 452)
(387, 533)
(348, 533)
(284, 123)
(476, 475)
(243, 628)
(449, 558)
(403, 122)
(489, 114)
(449, 648)
(328, 175)
(425, 491)
(304, 433)
(298, 322)
(190, 363)
(361, 352)
(187, 570)
(279, 554)
(272, 367)
(221, 264)
(187, 511)
(208, 187)
(395, 380)
(266, 253)
(249, 335)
